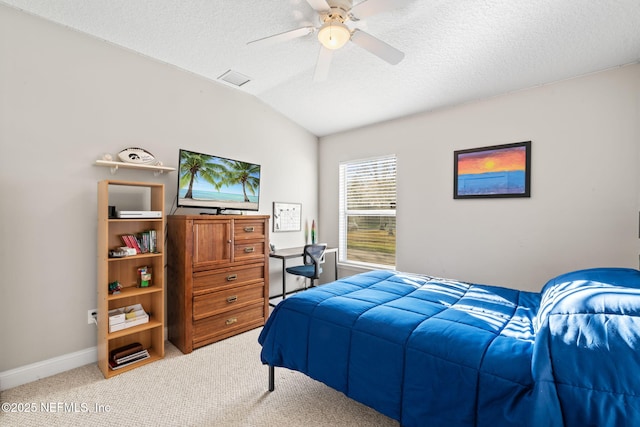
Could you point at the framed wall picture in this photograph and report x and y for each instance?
(495, 171)
(287, 216)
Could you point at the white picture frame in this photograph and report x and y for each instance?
(287, 217)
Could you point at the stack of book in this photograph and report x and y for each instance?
(130, 241)
(147, 241)
(127, 355)
(143, 243)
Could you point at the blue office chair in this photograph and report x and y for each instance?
(313, 257)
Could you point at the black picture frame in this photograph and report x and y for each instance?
(496, 171)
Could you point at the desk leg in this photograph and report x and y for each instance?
(284, 278)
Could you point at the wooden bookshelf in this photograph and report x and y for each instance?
(124, 270)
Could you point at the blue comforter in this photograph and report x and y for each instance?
(439, 352)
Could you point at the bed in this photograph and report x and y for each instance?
(431, 351)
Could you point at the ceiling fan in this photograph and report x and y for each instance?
(333, 33)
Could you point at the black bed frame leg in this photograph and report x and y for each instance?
(272, 385)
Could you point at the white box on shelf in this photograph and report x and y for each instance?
(116, 316)
(134, 315)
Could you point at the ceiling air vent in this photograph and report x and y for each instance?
(234, 78)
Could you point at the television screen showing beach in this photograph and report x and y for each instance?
(216, 182)
(499, 171)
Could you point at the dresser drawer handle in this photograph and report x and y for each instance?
(249, 250)
(232, 277)
(249, 229)
(231, 321)
(232, 298)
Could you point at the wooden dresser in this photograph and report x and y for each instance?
(218, 277)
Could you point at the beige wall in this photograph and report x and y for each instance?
(65, 99)
(583, 210)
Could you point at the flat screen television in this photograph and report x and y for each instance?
(212, 182)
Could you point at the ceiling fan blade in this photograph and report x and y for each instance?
(319, 5)
(376, 46)
(372, 7)
(287, 35)
(323, 64)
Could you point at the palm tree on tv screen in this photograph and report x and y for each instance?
(194, 165)
(242, 173)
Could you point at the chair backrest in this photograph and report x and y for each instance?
(314, 253)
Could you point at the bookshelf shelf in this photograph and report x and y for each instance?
(134, 292)
(117, 220)
(125, 270)
(136, 329)
(137, 257)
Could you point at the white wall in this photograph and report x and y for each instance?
(65, 99)
(583, 210)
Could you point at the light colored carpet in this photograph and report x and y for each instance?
(223, 384)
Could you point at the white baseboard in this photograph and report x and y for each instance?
(46, 368)
(35, 371)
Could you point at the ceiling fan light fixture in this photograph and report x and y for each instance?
(334, 34)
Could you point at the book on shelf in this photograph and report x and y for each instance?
(125, 350)
(127, 355)
(134, 358)
(142, 354)
(147, 241)
(153, 239)
(143, 242)
(130, 241)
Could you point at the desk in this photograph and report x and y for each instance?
(288, 253)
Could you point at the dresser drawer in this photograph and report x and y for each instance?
(207, 281)
(225, 324)
(229, 299)
(243, 251)
(248, 229)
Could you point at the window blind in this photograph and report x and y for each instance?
(367, 200)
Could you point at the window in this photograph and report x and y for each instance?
(367, 224)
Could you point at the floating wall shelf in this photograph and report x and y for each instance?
(157, 169)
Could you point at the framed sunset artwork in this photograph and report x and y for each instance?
(495, 171)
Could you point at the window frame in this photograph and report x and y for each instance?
(344, 213)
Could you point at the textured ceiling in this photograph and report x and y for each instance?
(455, 51)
